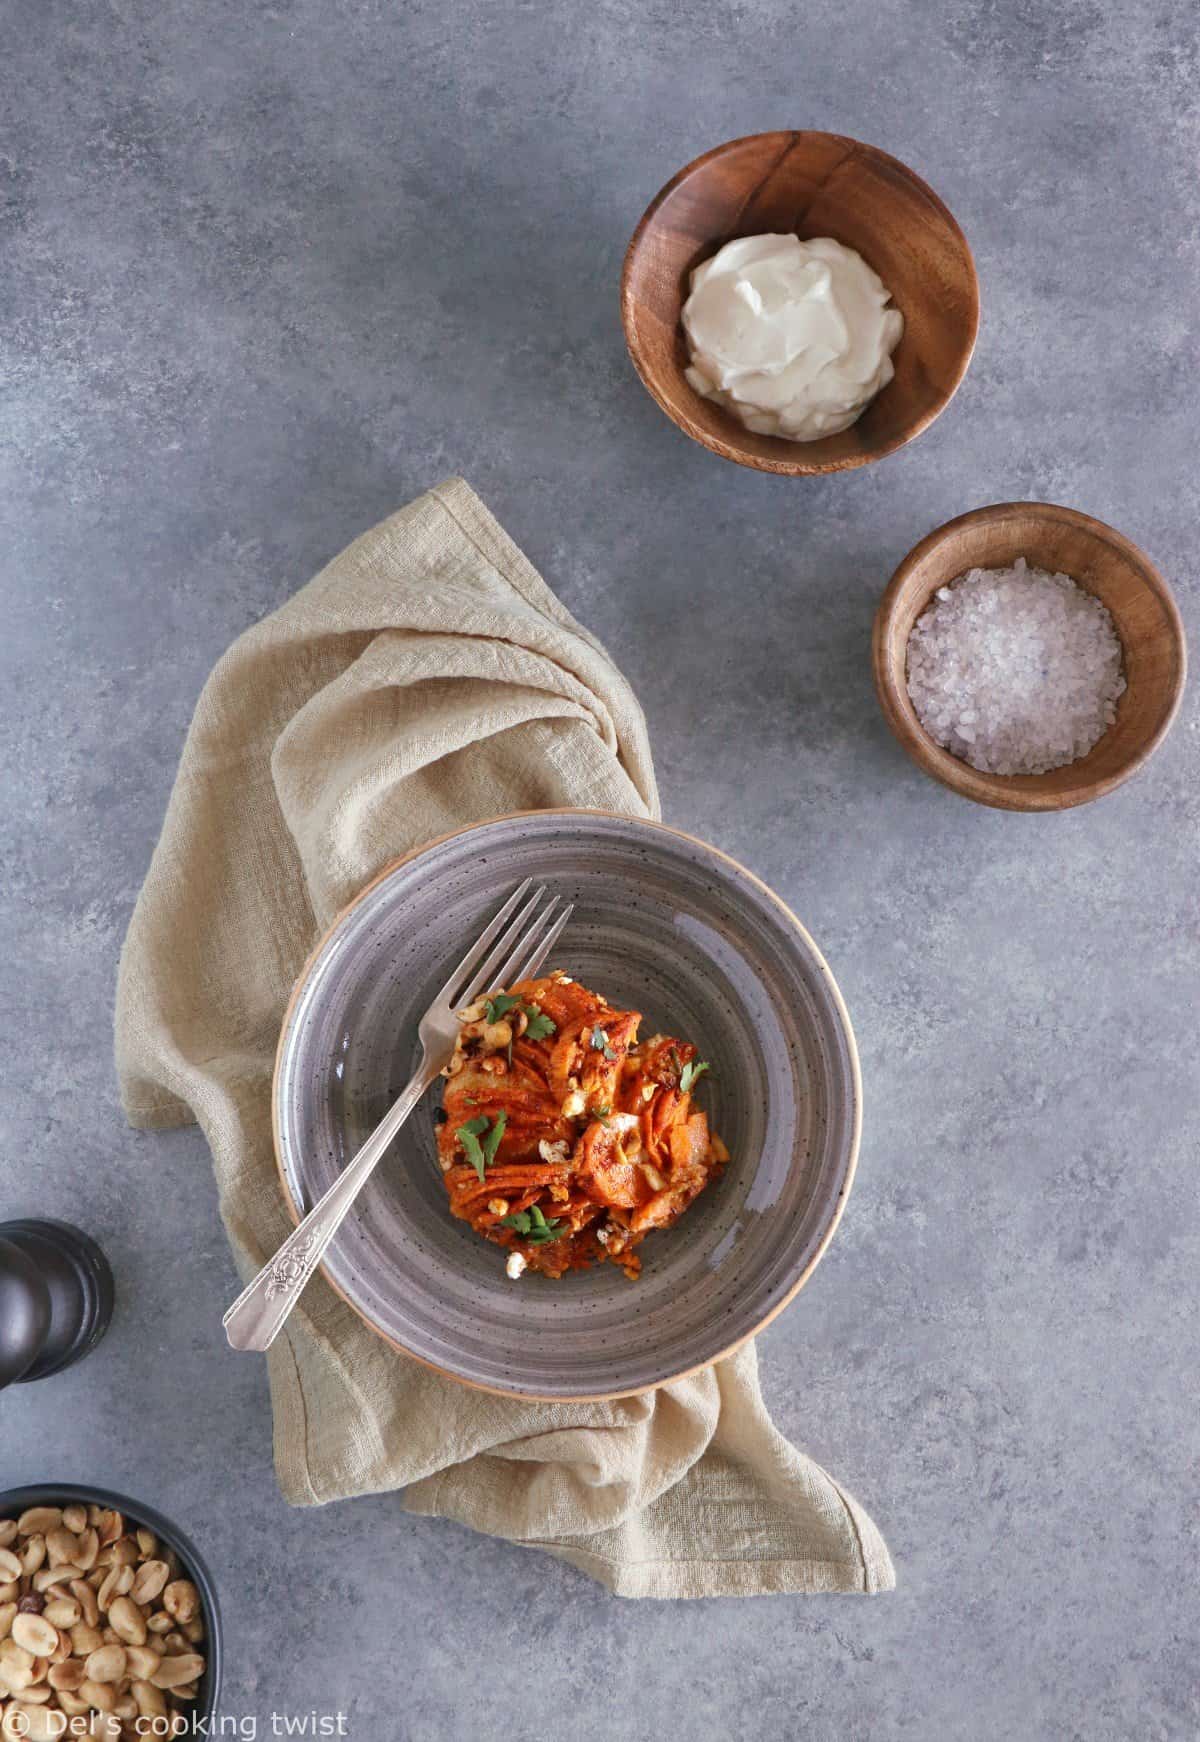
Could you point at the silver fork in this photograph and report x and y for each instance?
(509, 949)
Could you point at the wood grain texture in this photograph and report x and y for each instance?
(809, 184)
(1104, 563)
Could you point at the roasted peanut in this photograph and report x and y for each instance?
(67, 1676)
(181, 1599)
(150, 1702)
(31, 1724)
(127, 1620)
(110, 1525)
(177, 1671)
(149, 1581)
(35, 1634)
(118, 1582)
(38, 1520)
(106, 1665)
(33, 1555)
(86, 1598)
(60, 1544)
(16, 1665)
(87, 1546)
(77, 1591)
(63, 1612)
(98, 1694)
(122, 1553)
(47, 1576)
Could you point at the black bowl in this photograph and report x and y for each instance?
(14, 1501)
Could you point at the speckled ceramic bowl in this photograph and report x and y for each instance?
(665, 925)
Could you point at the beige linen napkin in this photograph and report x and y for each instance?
(428, 678)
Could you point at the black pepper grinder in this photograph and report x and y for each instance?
(56, 1298)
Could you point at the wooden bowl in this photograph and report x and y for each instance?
(812, 184)
(1101, 561)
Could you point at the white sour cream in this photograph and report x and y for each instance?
(795, 338)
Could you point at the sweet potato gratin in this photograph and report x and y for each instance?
(561, 1136)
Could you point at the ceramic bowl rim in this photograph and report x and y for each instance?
(946, 768)
(26, 1494)
(784, 466)
(841, 1013)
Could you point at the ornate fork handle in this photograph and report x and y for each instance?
(257, 1315)
(513, 945)
(288, 1275)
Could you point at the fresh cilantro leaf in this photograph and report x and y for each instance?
(603, 1113)
(601, 1044)
(491, 1142)
(468, 1136)
(690, 1072)
(500, 1006)
(539, 1025)
(481, 1155)
(533, 1224)
(541, 1229)
(548, 1231)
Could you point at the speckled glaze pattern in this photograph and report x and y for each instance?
(663, 924)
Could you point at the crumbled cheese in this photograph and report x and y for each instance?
(574, 1104)
(516, 1264)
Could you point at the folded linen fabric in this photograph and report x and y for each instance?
(428, 678)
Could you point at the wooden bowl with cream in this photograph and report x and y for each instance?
(809, 185)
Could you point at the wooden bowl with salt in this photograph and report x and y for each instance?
(1103, 563)
(806, 184)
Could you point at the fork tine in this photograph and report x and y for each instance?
(481, 943)
(534, 967)
(487, 976)
(525, 947)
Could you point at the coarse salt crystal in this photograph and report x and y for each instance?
(1015, 670)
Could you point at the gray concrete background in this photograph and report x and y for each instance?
(267, 271)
